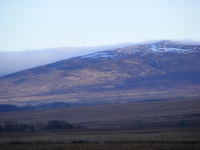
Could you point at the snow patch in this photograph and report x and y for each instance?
(98, 55)
(166, 49)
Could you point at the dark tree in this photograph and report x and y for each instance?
(10, 126)
(1, 128)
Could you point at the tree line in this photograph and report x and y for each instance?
(11, 126)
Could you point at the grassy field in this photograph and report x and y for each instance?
(174, 113)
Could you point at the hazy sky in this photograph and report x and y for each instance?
(39, 24)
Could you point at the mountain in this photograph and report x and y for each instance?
(154, 71)
(34, 58)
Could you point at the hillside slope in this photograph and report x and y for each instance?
(161, 70)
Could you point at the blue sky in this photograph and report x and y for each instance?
(41, 24)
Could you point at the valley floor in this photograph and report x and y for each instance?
(171, 113)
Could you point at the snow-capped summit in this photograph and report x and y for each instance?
(160, 47)
(157, 48)
(173, 46)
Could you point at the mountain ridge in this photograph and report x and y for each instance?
(156, 47)
(164, 65)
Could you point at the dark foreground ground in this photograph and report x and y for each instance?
(125, 135)
(129, 139)
(102, 146)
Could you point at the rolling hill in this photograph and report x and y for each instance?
(144, 72)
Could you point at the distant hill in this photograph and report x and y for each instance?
(154, 71)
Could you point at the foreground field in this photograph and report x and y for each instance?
(103, 146)
(157, 125)
(128, 135)
(146, 139)
(159, 135)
